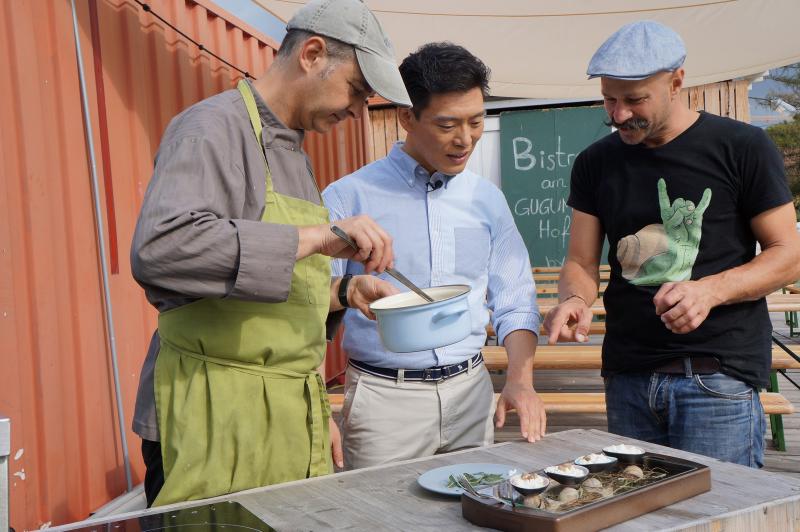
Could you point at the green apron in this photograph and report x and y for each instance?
(240, 404)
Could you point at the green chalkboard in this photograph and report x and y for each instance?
(537, 149)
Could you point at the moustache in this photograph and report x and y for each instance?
(631, 124)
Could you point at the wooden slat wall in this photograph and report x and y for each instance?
(385, 130)
(726, 98)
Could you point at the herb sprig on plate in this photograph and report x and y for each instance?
(477, 479)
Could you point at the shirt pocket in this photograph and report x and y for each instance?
(472, 246)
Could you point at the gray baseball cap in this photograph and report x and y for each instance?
(351, 22)
(637, 51)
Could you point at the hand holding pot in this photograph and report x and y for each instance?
(364, 289)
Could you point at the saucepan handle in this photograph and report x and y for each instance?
(439, 316)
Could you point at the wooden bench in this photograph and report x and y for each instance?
(554, 277)
(577, 356)
(776, 302)
(546, 304)
(788, 302)
(792, 289)
(557, 269)
(595, 403)
(547, 298)
(791, 317)
(589, 357)
(596, 327)
(552, 288)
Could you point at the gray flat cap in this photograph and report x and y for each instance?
(637, 51)
(351, 22)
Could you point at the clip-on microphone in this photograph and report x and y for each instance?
(435, 185)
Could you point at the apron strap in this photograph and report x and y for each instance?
(255, 121)
(320, 412)
(245, 367)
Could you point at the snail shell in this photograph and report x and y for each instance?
(568, 495)
(552, 504)
(532, 501)
(633, 471)
(634, 250)
(592, 483)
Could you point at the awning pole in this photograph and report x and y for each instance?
(101, 241)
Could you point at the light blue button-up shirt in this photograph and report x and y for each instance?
(461, 233)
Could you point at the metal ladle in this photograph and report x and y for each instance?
(391, 271)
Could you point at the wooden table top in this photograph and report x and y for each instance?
(388, 497)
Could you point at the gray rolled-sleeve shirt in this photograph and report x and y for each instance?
(200, 234)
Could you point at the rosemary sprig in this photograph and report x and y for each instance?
(477, 479)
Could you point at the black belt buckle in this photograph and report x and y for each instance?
(453, 370)
(431, 374)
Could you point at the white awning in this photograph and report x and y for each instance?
(540, 49)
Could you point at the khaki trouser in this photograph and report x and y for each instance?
(386, 420)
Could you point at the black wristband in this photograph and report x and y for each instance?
(343, 290)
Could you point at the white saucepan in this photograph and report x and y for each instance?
(407, 323)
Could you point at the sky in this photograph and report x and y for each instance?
(760, 114)
(256, 16)
(262, 20)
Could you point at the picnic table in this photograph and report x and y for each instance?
(389, 498)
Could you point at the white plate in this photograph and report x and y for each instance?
(436, 479)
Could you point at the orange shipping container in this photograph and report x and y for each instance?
(55, 373)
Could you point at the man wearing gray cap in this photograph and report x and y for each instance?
(682, 197)
(232, 247)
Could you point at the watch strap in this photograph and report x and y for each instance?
(343, 290)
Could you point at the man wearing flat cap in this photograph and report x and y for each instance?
(232, 247)
(683, 197)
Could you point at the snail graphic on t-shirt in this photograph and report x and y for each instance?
(660, 253)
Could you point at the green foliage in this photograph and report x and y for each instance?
(789, 77)
(786, 135)
(477, 479)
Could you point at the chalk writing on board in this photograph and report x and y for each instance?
(549, 228)
(527, 158)
(550, 262)
(538, 149)
(534, 206)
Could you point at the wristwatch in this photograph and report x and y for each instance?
(343, 290)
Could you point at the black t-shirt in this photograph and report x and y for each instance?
(676, 212)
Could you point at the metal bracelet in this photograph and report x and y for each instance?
(579, 297)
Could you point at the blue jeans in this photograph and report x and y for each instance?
(714, 415)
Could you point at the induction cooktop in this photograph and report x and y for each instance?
(218, 517)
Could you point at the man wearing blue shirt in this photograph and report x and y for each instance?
(450, 226)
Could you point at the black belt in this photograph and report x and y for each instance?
(689, 366)
(435, 374)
